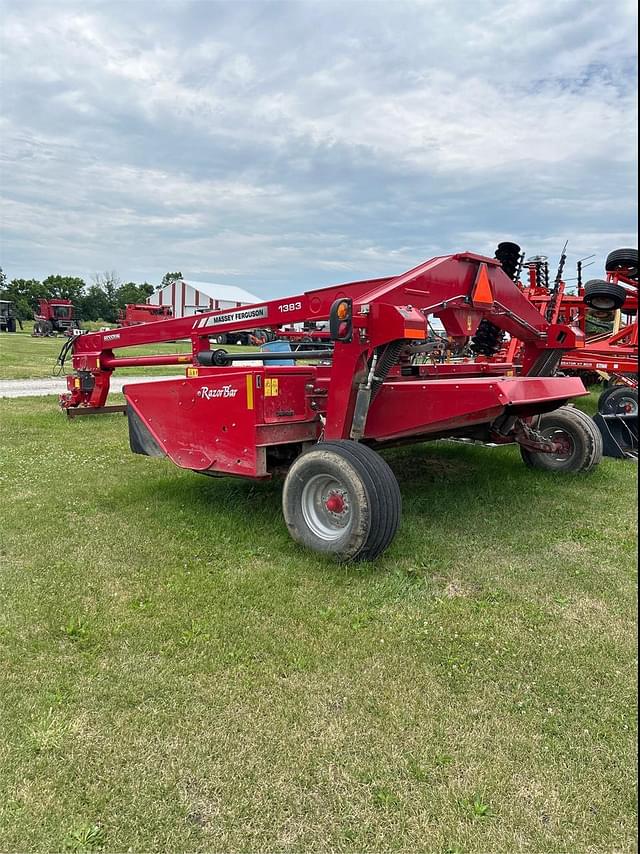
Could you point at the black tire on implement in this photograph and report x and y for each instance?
(359, 480)
(584, 442)
(604, 296)
(604, 395)
(623, 259)
(619, 400)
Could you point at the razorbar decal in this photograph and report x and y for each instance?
(211, 393)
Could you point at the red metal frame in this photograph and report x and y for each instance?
(303, 335)
(232, 419)
(613, 353)
(135, 313)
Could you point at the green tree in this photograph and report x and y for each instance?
(96, 305)
(24, 293)
(170, 277)
(64, 287)
(131, 293)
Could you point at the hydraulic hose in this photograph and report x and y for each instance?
(386, 360)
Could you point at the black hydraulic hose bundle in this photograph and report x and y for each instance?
(66, 348)
(388, 359)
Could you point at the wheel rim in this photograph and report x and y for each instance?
(603, 303)
(625, 405)
(326, 507)
(564, 439)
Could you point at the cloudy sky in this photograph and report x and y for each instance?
(286, 145)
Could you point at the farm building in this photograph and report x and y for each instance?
(187, 298)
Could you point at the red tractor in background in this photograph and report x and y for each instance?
(55, 317)
(135, 313)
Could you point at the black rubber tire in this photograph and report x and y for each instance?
(219, 339)
(604, 296)
(619, 400)
(604, 395)
(372, 490)
(623, 259)
(585, 437)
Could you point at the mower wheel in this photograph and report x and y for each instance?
(341, 498)
(219, 339)
(623, 259)
(619, 400)
(604, 296)
(580, 437)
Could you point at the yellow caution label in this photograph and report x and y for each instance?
(185, 358)
(76, 383)
(192, 372)
(271, 388)
(249, 391)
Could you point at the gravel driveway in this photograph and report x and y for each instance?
(57, 385)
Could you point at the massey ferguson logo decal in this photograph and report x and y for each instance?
(224, 391)
(233, 316)
(113, 337)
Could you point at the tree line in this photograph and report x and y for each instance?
(100, 300)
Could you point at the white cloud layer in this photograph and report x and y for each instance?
(284, 145)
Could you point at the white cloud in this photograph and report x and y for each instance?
(247, 139)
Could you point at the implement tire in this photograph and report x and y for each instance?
(582, 439)
(623, 260)
(342, 499)
(604, 296)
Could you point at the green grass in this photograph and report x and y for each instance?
(177, 675)
(24, 357)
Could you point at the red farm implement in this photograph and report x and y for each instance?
(611, 355)
(323, 414)
(135, 313)
(304, 337)
(54, 317)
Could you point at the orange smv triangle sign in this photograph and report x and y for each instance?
(482, 293)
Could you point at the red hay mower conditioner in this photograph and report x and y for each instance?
(323, 415)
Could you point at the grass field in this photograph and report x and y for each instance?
(177, 675)
(24, 357)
